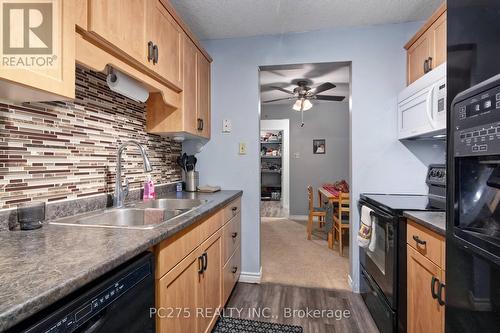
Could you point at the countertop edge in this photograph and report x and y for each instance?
(413, 215)
(17, 314)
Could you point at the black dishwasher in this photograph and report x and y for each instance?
(120, 301)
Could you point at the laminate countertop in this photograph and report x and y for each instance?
(435, 221)
(39, 267)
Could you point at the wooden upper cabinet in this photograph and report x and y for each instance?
(121, 24)
(425, 314)
(438, 32)
(189, 93)
(149, 35)
(417, 56)
(427, 48)
(52, 76)
(203, 90)
(166, 36)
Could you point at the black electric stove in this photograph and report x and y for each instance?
(397, 203)
(383, 270)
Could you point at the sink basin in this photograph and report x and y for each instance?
(183, 204)
(142, 215)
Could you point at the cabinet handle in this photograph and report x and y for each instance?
(200, 124)
(235, 269)
(155, 54)
(429, 64)
(234, 235)
(234, 209)
(418, 240)
(200, 264)
(433, 289)
(150, 50)
(425, 66)
(205, 261)
(440, 294)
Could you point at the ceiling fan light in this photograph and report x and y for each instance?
(307, 105)
(297, 105)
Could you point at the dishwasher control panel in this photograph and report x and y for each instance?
(86, 308)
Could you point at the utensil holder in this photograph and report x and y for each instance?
(192, 181)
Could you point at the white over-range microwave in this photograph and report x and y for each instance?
(422, 106)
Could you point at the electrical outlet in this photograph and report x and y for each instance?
(226, 126)
(243, 148)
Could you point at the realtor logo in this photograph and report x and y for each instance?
(27, 33)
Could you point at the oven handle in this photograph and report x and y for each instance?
(385, 216)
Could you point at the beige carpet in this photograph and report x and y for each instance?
(289, 258)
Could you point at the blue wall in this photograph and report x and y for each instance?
(378, 74)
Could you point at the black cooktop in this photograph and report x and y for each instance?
(397, 203)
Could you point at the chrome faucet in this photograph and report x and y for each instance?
(121, 191)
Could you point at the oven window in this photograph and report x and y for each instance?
(378, 255)
(479, 195)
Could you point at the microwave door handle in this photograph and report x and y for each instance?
(430, 103)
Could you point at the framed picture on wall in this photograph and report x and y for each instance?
(319, 146)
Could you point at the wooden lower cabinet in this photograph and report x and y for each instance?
(177, 296)
(425, 314)
(231, 274)
(211, 283)
(190, 294)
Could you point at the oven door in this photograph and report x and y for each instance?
(381, 263)
(477, 209)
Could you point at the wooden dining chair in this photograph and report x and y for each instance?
(340, 221)
(318, 212)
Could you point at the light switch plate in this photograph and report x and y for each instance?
(226, 126)
(296, 155)
(243, 148)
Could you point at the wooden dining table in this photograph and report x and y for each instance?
(330, 197)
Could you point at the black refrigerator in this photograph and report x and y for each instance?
(473, 209)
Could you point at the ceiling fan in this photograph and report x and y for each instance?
(303, 94)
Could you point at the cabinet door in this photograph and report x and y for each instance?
(203, 96)
(190, 82)
(48, 75)
(438, 31)
(424, 312)
(212, 282)
(121, 24)
(178, 295)
(417, 54)
(165, 33)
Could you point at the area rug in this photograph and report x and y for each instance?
(237, 325)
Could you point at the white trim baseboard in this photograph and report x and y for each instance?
(298, 217)
(354, 287)
(251, 277)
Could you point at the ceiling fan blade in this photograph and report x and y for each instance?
(282, 89)
(322, 87)
(330, 98)
(278, 99)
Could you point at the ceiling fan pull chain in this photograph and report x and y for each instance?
(302, 118)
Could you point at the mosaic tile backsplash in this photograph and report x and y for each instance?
(62, 150)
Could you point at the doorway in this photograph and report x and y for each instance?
(275, 168)
(305, 142)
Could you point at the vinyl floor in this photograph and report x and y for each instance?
(316, 310)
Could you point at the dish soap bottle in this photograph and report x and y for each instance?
(149, 189)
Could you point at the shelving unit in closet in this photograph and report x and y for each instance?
(271, 165)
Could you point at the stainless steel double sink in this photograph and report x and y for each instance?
(140, 215)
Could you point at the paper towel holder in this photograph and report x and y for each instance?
(128, 86)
